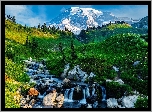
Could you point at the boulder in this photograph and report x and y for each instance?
(66, 68)
(112, 103)
(33, 92)
(53, 100)
(129, 101)
(66, 83)
(60, 100)
(49, 99)
(77, 74)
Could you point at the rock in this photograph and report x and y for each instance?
(115, 68)
(129, 101)
(91, 99)
(41, 66)
(136, 92)
(27, 106)
(119, 106)
(66, 68)
(108, 80)
(32, 81)
(95, 104)
(136, 63)
(30, 70)
(32, 102)
(33, 92)
(46, 72)
(30, 59)
(112, 103)
(89, 106)
(77, 74)
(53, 100)
(91, 75)
(66, 80)
(60, 100)
(49, 99)
(119, 81)
(66, 83)
(26, 69)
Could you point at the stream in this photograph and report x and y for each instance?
(77, 95)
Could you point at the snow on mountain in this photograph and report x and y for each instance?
(75, 19)
(143, 23)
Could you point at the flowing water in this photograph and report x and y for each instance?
(53, 81)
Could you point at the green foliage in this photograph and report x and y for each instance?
(102, 48)
(117, 26)
(56, 66)
(142, 102)
(15, 71)
(114, 89)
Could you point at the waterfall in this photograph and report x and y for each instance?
(66, 94)
(83, 101)
(68, 97)
(71, 94)
(93, 91)
(103, 93)
(87, 92)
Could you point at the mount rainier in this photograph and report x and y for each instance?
(75, 19)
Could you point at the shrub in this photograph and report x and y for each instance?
(141, 102)
(15, 71)
(114, 89)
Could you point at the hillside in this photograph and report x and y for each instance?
(98, 54)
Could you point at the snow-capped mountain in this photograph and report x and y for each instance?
(143, 23)
(76, 19)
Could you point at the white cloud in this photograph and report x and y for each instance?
(24, 15)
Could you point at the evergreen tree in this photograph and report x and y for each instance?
(27, 42)
(13, 19)
(61, 50)
(73, 53)
(39, 26)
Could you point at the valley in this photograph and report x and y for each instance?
(101, 67)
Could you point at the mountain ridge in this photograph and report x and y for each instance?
(75, 19)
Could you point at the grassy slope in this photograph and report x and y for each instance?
(15, 51)
(120, 50)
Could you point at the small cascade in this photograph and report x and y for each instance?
(66, 94)
(93, 91)
(87, 92)
(83, 101)
(103, 93)
(71, 94)
(68, 97)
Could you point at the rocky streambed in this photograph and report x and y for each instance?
(54, 92)
(63, 92)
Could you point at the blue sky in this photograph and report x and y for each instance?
(32, 15)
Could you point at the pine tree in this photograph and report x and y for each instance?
(27, 42)
(13, 19)
(61, 50)
(39, 26)
(73, 53)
